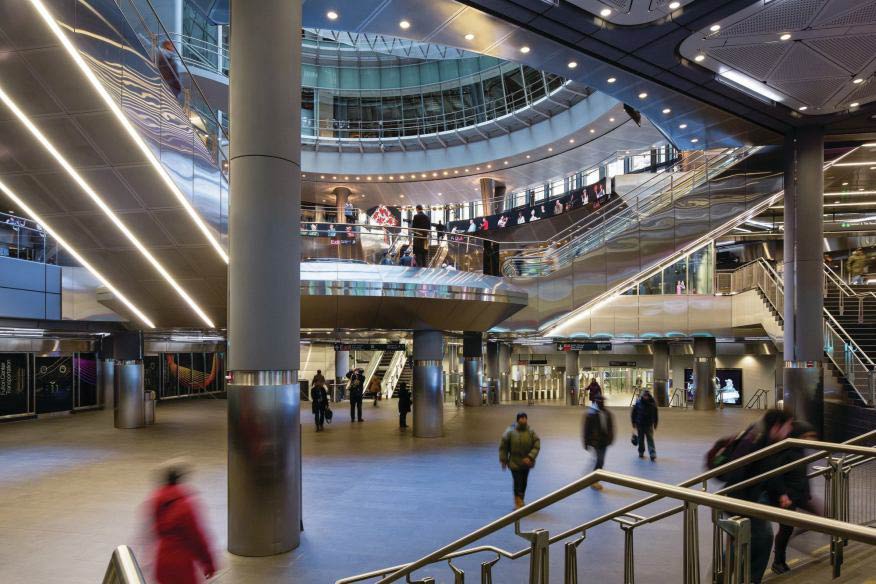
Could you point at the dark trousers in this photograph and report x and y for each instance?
(783, 535)
(319, 417)
(761, 546)
(420, 255)
(520, 478)
(403, 420)
(355, 407)
(600, 456)
(647, 433)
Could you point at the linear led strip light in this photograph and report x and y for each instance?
(22, 117)
(126, 124)
(28, 211)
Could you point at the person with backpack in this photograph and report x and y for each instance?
(598, 432)
(318, 399)
(357, 388)
(774, 427)
(791, 491)
(404, 404)
(518, 450)
(644, 417)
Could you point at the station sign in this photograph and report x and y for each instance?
(565, 347)
(369, 347)
(621, 363)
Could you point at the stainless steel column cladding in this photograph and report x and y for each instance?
(472, 366)
(493, 375)
(661, 373)
(342, 196)
(704, 373)
(571, 384)
(504, 372)
(803, 377)
(264, 457)
(129, 410)
(428, 392)
(106, 387)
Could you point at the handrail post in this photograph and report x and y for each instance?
(691, 545)
(629, 554)
(571, 561)
(834, 480)
(458, 574)
(487, 570)
(737, 550)
(539, 553)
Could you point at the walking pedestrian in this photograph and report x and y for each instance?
(183, 549)
(404, 404)
(374, 389)
(791, 491)
(357, 388)
(423, 226)
(318, 399)
(518, 450)
(644, 417)
(858, 266)
(594, 390)
(598, 432)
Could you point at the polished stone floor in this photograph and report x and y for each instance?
(71, 489)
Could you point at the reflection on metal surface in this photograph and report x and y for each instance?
(129, 407)
(428, 400)
(266, 378)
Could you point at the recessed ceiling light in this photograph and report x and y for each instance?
(434, 174)
(506, 162)
(444, 173)
(572, 64)
(611, 119)
(700, 58)
(845, 184)
(571, 140)
(611, 79)
(477, 168)
(858, 81)
(357, 178)
(803, 108)
(303, 175)
(786, 36)
(369, 178)
(605, 12)
(550, 149)
(404, 24)
(334, 178)
(854, 104)
(455, 172)
(524, 49)
(439, 194)
(695, 140)
(391, 177)
(381, 177)
(331, 15)
(466, 170)
(401, 196)
(643, 95)
(674, 5)
(715, 27)
(667, 111)
(346, 178)
(527, 156)
(322, 176)
(489, 166)
(682, 126)
(592, 131)
(422, 175)
(469, 37)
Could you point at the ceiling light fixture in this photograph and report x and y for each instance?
(667, 111)
(643, 95)
(469, 37)
(572, 64)
(858, 81)
(674, 5)
(786, 36)
(803, 108)
(854, 104)
(592, 131)
(404, 25)
(527, 156)
(92, 194)
(30, 213)
(611, 120)
(749, 85)
(401, 196)
(524, 49)
(506, 162)
(694, 140)
(605, 12)
(489, 166)
(434, 174)
(369, 178)
(571, 140)
(715, 27)
(331, 15)
(700, 58)
(682, 126)
(611, 80)
(114, 107)
(550, 149)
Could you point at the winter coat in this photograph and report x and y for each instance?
(517, 445)
(858, 264)
(182, 546)
(593, 390)
(357, 386)
(644, 414)
(318, 398)
(318, 379)
(421, 221)
(793, 483)
(595, 433)
(404, 401)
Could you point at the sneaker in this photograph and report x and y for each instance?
(641, 455)
(780, 567)
(596, 486)
(653, 458)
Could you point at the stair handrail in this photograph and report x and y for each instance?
(680, 491)
(371, 369)
(393, 372)
(760, 393)
(843, 287)
(123, 568)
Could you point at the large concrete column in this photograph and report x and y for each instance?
(505, 372)
(428, 394)
(571, 384)
(661, 372)
(493, 370)
(342, 195)
(472, 365)
(803, 378)
(704, 373)
(264, 450)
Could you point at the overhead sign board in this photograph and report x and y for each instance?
(369, 347)
(583, 347)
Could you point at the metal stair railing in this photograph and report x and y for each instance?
(760, 397)
(846, 291)
(729, 520)
(393, 373)
(371, 369)
(842, 350)
(678, 399)
(123, 568)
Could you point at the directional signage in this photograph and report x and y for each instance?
(583, 346)
(369, 347)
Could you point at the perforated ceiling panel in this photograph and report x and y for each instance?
(815, 56)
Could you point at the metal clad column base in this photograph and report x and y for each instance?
(571, 390)
(106, 375)
(704, 382)
(661, 392)
(803, 395)
(428, 399)
(264, 466)
(471, 375)
(129, 410)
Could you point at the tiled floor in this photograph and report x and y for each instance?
(72, 486)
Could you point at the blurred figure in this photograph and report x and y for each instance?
(406, 260)
(594, 390)
(386, 260)
(598, 432)
(404, 404)
(183, 552)
(517, 450)
(318, 399)
(168, 67)
(374, 388)
(791, 491)
(858, 266)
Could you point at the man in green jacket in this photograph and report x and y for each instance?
(517, 450)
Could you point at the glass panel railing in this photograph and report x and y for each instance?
(24, 239)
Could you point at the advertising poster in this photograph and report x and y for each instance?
(53, 382)
(727, 383)
(338, 233)
(152, 373)
(85, 365)
(13, 384)
(592, 197)
(385, 216)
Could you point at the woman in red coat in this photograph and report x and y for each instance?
(182, 546)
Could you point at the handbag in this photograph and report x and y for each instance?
(328, 415)
(634, 439)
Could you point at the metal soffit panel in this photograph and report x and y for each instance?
(630, 12)
(810, 51)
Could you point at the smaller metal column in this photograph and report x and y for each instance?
(704, 373)
(505, 372)
(494, 393)
(342, 195)
(661, 373)
(342, 366)
(428, 393)
(472, 356)
(571, 385)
